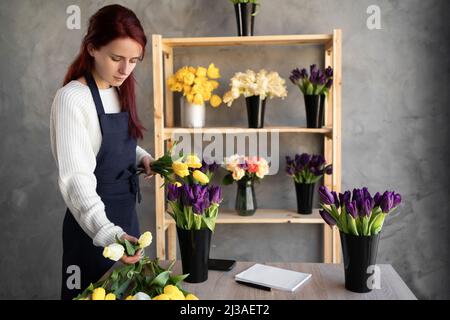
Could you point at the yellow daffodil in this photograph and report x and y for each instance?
(190, 97)
(145, 239)
(197, 88)
(193, 161)
(200, 177)
(98, 294)
(110, 296)
(162, 296)
(190, 296)
(206, 95)
(214, 84)
(201, 80)
(180, 169)
(215, 101)
(186, 89)
(178, 87)
(213, 72)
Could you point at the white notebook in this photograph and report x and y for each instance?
(273, 277)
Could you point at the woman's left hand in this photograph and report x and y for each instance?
(146, 161)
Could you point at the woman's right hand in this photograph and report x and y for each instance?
(131, 259)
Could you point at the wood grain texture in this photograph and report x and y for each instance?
(326, 283)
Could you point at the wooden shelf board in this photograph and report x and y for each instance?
(264, 216)
(245, 41)
(168, 132)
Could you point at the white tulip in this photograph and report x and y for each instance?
(141, 296)
(145, 239)
(114, 251)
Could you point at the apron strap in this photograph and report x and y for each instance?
(95, 93)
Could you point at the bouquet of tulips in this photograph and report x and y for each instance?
(359, 213)
(263, 84)
(317, 83)
(245, 168)
(197, 84)
(144, 280)
(193, 201)
(307, 169)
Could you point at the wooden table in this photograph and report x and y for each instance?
(326, 283)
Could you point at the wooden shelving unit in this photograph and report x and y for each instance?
(163, 49)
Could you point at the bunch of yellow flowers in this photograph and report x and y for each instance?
(197, 84)
(190, 164)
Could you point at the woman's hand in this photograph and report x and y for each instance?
(146, 161)
(133, 259)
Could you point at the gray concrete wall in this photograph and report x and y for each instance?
(395, 134)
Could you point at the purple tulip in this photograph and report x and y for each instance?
(209, 167)
(397, 200)
(325, 196)
(290, 171)
(336, 199)
(329, 169)
(344, 198)
(329, 72)
(173, 193)
(303, 159)
(303, 73)
(321, 78)
(215, 194)
(377, 198)
(289, 160)
(352, 210)
(187, 195)
(387, 201)
(327, 217)
(367, 207)
(313, 68)
(358, 196)
(329, 83)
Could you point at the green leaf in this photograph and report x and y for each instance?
(377, 224)
(174, 280)
(343, 220)
(161, 279)
(310, 89)
(129, 248)
(228, 179)
(352, 225)
(365, 226)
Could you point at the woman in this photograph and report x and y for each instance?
(94, 128)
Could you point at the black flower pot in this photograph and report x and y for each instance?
(255, 111)
(245, 18)
(315, 110)
(245, 198)
(305, 196)
(194, 247)
(359, 253)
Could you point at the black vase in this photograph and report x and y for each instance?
(255, 111)
(305, 196)
(315, 110)
(194, 247)
(245, 18)
(359, 253)
(245, 198)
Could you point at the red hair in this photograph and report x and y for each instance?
(110, 23)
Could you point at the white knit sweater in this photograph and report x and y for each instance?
(75, 141)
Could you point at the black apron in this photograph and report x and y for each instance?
(117, 186)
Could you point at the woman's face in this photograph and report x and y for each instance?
(115, 61)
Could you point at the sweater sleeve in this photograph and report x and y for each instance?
(76, 162)
(140, 153)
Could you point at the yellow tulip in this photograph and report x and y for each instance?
(193, 161)
(129, 298)
(178, 87)
(201, 72)
(98, 294)
(201, 80)
(213, 72)
(215, 101)
(178, 184)
(110, 296)
(206, 95)
(190, 296)
(162, 296)
(200, 177)
(173, 292)
(198, 99)
(186, 89)
(197, 88)
(180, 169)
